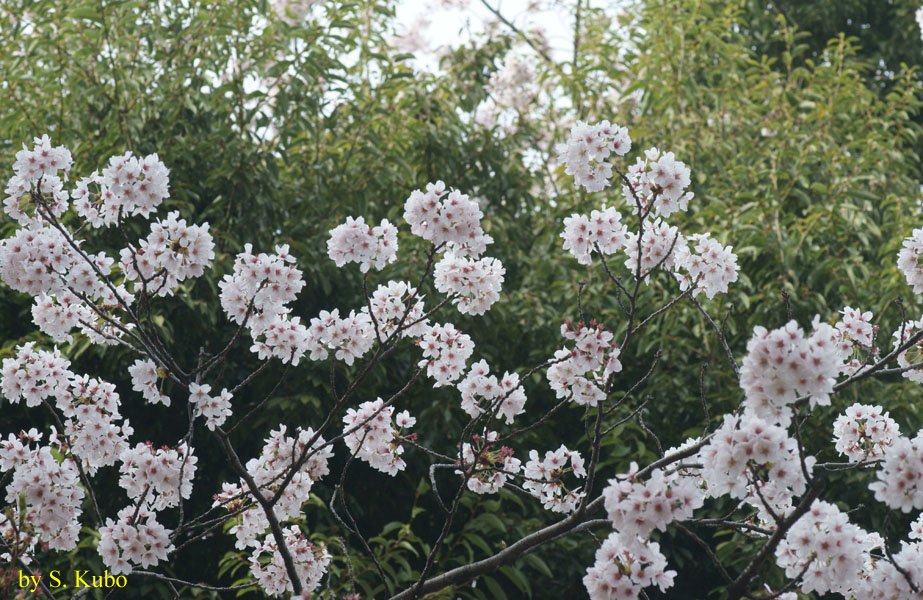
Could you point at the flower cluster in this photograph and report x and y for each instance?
(602, 230)
(280, 452)
(593, 354)
(447, 218)
(826, 550)
(90, 406)
(900, 478)
(45, 493)
(864, 433)
(659, 247)
(487, 468)
(370, 435)
(482, 392)
(445, 352)
(658, 181)
(172, 253)
(709, 269)
(38, 259)
(544, 478)
(128, 186)
(636, 508)
(912, 355)
(144, 377)
(350, 337)
(474, 284)
(311, 563)
(624, 566)
(260, 287)
(585, 153)
(908, 260)
(784, 363)
(215, 409)
(389, 304)
(354, 241)
(157, 478)
(856, 337)
(134, 539)
(751, 459)
(38, 170)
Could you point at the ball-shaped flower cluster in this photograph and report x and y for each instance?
(544, 478)
(594, 354)
(482, 392)
(602, 230)
(157, 478)
(624, 566)
(370, 435)
(310, 561)
(447, 218)
(354, 241)
(586, 152)
(135, 538)
(864, 432)
(474, 283)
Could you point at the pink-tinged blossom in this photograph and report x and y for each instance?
(257, 295)
(659, 248)
(445, 352)
(37, 170)
(349, 338)
(586, 152)
(90, 407)
(144, 377)
(826, 550)
(579, 373)
(487, 468)
(448, 218)
(157, 478)
(544, 478)
(310, 563)
(354, 241)
(172, 253)
(602, 230)
(660, 179)
(908, 260)
(279, 453)
(35, 260)
(128, 186)
(215, 409)
(783, 364)
(710, 269)
(135, 539)
(749, 449)
(856, 338)
(391, 310)
(900, 476)
(482, 392)
(864, 432)
(474, 284)
(912, 355)
(636, 508)
(35, 375)
(371, 437)
(260, 287)
(624, 566)
(45, 494)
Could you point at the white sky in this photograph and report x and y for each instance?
(451, 26)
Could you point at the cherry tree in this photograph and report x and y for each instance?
(757, 456)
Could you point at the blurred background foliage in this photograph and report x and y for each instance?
(800, 122)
